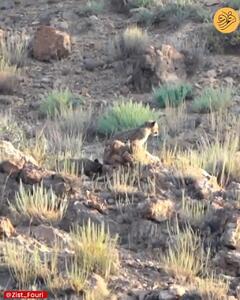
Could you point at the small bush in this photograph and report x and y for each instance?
(37, 149)
(212, 100)
(172, 94)
(100, 292)
(11, 130)
(14, 48)
(93, 7)
(185, 256)
(233, 3)
(212, 287)
(193, 212)
(75, 121)
(77, 276)
(144, 3)
(8, 77)
(125, 115)
(25, 267)
(95, 248)
(66, 132)
(58, 101)
(68, 144)
(216, 42)
(131, 42)
(40, 204)
(177, 13)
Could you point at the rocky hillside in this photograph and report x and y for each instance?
(72, 74)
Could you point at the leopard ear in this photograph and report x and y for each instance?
(96, 160)
(153, 123)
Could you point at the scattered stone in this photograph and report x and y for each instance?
(50, 235)
(90, 64)
(50, 43)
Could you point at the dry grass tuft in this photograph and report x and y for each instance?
(213, 287)
(25, 267)
(40, 204)
(38, 150)
(193, 212)
(162, 210)
(14, 48)
(77, 276)
(131, 42)
(9, 80)
(94, 246)
(185, 257)
(10, 129)
(100, 291)
(122, 182)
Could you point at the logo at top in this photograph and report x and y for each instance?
(226, 20)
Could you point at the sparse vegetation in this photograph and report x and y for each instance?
(77, 225)
(25, 267)
(8, 77)
(93, 7)
(132, 41)
(63, 144)
(213, 287)
(14, 48)
(233, 3)
(122, 183)
(172, 94)
(100, 292)
(94, 246)
(37, 149)
(66, 132)
(185, 257)
(77, 276)
(40, 204)
(179, 13)
(193, 212)
(9, 127)
(145, 3)
(212, 100)
(58, 101)
(125, 115)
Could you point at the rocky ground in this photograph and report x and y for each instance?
(178, 220)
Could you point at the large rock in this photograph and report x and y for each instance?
(50, 235)
(11, 159)
(156, 67)
(49, 43)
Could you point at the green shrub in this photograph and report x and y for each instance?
(172, 94)
(58, 101)
(93, 7)
(212, 100)
(178, 13)
(144, 3)
(216, 42)
(125, 115)
(233, 3)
